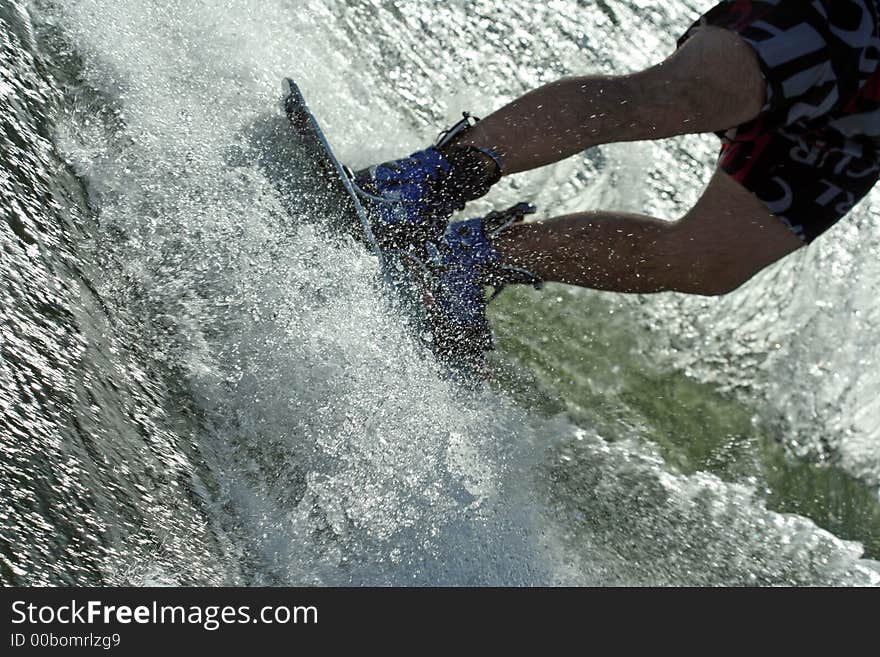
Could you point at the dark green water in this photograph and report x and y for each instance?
(696, 426)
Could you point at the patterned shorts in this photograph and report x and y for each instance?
(814, 151)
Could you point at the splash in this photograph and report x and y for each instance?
(269, 411)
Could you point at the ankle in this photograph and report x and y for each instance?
(485, 159)
(472, 171)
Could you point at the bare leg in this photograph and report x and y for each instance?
(726, 238)
(711, 83)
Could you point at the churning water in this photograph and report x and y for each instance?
(200, 388)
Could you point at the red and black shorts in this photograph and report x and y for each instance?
(814, 151)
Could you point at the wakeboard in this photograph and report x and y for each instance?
(405, 284)
(408, 286)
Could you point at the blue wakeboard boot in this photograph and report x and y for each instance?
(410, 200)
(458, 268)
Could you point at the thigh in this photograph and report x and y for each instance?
(732, 234)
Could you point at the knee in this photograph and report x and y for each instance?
(718, 74)
(714, 286)
(709, 279)
(705, 267)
